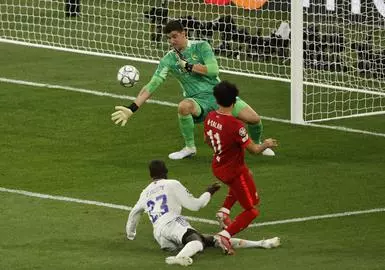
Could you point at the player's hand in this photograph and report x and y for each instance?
(185, 66)
(121, 115)
(269, 143)
(182, 63)
(213, 188)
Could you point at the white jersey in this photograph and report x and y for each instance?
(163, 201)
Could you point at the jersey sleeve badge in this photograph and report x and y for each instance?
(243, 133)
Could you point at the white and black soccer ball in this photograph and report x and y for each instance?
(128, 76)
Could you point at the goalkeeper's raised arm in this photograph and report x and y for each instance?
(123, 113)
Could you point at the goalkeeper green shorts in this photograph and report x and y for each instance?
(208, 103)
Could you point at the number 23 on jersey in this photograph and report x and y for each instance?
(153, 206)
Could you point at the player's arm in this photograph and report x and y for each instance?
(187, 200)
(254, 148)
(210, 66)
(123, 113)
(142, 96)
(133, 220)
(242, 138)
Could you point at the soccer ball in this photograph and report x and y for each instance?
(128, 76)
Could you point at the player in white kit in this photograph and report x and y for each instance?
(163, 200)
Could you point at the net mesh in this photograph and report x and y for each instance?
(344, 60)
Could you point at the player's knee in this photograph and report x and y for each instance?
(185, 107)
(249, 116)
(254, 119)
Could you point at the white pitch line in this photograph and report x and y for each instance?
(65, 199)
(302, 219)
(196, 219)
(170, 104)
(85, 91)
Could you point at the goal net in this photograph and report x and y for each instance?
(344, 59)
(343, 46)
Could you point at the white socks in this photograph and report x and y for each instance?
(190, 249)
(241, 243)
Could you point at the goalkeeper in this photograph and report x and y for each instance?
(194, 65)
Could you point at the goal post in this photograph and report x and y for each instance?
(330, 52)
(296, 60)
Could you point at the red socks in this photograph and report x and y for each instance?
(242, 221)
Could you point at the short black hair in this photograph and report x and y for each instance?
(174, 25)
(158, 169)
(225, 93)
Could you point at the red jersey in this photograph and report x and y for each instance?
(228, 137)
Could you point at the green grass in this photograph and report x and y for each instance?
(73, 236)
(63, 143)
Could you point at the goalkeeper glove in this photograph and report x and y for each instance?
(186, 66)
(123, 113)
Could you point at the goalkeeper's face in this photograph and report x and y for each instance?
(177, 39)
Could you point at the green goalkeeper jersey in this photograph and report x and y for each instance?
(194, 85)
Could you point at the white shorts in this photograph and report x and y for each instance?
(170, 237)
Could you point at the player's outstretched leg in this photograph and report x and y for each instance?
(271, 243)
(266, 243)
(184, 261)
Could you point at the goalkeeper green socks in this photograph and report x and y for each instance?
(255, 131)
(186, 125)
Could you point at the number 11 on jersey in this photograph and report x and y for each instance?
(215, 141)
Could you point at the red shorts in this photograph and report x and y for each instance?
(243, 189)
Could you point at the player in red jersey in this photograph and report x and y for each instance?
(228, 138)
